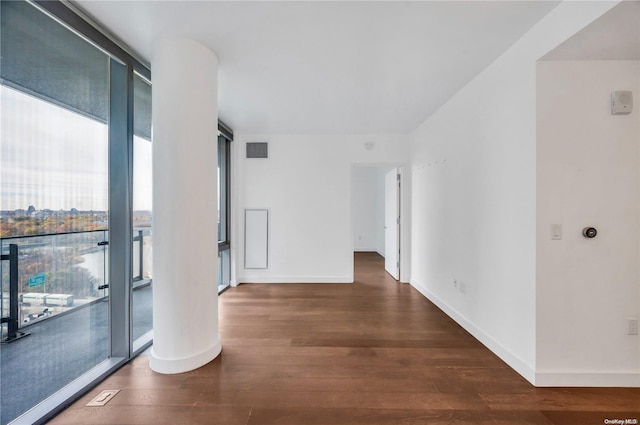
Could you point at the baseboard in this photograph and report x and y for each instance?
(515, 362)
(380, 253)
(295, 279)
(554, 378)
(184, 364)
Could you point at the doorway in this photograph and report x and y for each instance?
(375, 213)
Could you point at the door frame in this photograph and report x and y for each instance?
(394, 206)
(404, 231)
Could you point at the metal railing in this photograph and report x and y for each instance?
(12, 320)
(143, 273)
(43, 276)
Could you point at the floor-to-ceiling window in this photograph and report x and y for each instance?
(54, 203)
(67, 146)
(75, 208)
(142, 254)
(225, 137)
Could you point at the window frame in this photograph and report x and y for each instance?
(225, 138)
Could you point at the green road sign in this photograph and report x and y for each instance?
(37, 280)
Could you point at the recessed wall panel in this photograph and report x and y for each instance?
(256, 238)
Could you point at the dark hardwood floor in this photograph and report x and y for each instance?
(375, 352)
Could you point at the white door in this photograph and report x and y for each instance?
(392, 223)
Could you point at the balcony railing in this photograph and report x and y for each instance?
(54, 274)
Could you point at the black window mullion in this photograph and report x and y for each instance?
(227, 192)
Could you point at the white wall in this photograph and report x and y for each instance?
(587, 175)
(364, 201)
(474, 195)
(306, 185)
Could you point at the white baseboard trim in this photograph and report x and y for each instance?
(555, 378)
(515, 362)
(380, 253)
(184, 364)
(295, 279)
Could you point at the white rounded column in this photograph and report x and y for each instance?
(185, 234)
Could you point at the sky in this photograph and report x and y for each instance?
(53, 158)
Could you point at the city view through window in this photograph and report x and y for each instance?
(54, 204)
(65, 160)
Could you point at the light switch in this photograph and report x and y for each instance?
(556, 232)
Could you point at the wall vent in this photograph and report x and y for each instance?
(257, 149)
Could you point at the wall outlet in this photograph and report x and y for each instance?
(632, 326)
(455, 283)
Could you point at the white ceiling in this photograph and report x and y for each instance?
(330, 67)
(614, 36)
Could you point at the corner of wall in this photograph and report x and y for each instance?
(474, 195)
(527, 371)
